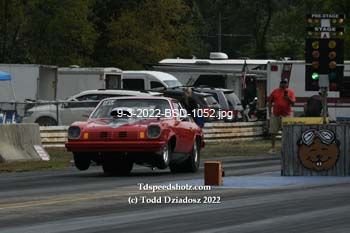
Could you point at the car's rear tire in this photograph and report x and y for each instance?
(191, 164)
(46, 121)
(81, 161)
(163, 159)
(117, 166)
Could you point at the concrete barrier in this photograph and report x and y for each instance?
(17, 142)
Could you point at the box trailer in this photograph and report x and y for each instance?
(72, 80)
(29, 81)
(221, 72)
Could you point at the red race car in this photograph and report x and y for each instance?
(151, 131)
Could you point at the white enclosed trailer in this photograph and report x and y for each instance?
(218, 71)
(29, 81)
(72, 80)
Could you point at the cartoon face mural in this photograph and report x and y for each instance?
(318, 149)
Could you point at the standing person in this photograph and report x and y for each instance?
(190, 105)
(313, 106)
(280, 100)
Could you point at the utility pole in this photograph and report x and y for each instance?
(219, 33)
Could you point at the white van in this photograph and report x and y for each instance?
(147, 80)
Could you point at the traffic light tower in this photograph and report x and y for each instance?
(324, 50)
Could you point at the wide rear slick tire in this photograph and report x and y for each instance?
(191, 164)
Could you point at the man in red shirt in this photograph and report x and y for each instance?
(280, 100)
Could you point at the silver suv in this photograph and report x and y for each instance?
(228, 101)
(75, 108)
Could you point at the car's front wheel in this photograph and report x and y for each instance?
(81, 161)
(163, 159)
(46, 121)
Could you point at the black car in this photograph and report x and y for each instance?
(206, 103)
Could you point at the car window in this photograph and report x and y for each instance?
(232, 99)
(91, 100)
(176, 105)
(155, 84)
(133, 84)
(210, 100)
(173, 83)
(81, 104)
(179, 109)
(104, 96)
(88, 97)
(215, 95)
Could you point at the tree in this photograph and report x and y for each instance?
(287, 35)
(59, 32)
(12, 24)
(152, 31)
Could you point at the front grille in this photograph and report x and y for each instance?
(122, 134)
(104, 135)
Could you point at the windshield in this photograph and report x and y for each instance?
(140, 108)
(173, 83)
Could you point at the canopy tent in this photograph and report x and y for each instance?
(4, 76)
(6, 115)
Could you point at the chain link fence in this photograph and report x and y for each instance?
(46, 113)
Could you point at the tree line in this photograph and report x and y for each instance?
(130, 33)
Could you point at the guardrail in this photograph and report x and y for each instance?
(56, 136)
(53, 136)
(230, 132)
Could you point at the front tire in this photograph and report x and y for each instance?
(46, 121)
(163, 159)
(81, 161)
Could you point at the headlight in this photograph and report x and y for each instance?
(153, 131)
(73, 132)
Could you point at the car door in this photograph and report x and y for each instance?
(184, 129)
